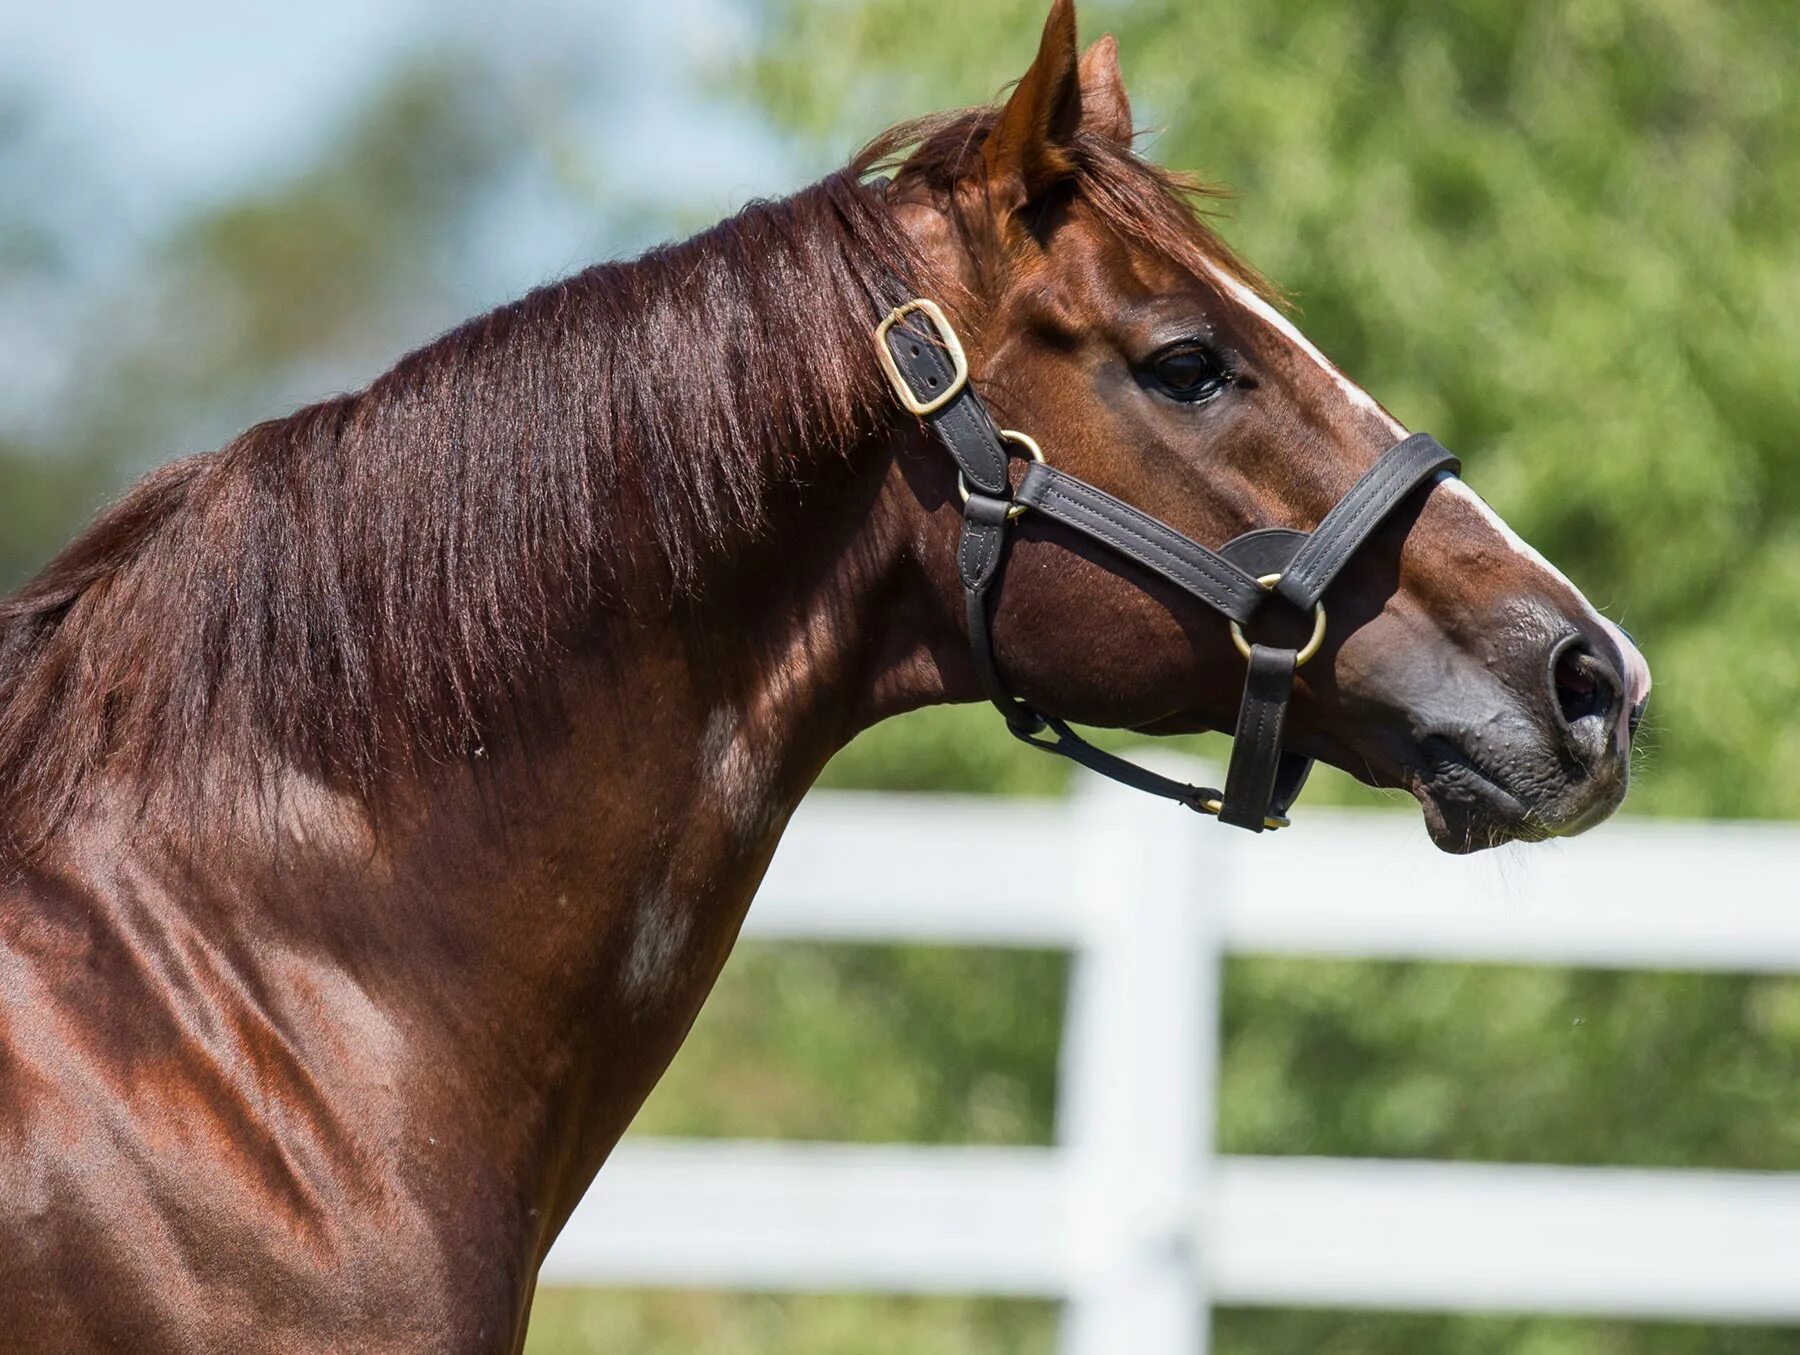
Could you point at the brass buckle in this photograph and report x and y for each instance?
(1032, 450)
(959, 360)
(1215, 807)
(1312, 645)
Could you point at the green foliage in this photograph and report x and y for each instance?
(1332, 1058)
(660, 1323)
(315, 280)
(1243, 1332)
(43, 496)
(1496, 1063)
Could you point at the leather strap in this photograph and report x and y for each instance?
(1290, 779)
(1256, 764)
(1355, 517)
(1256, 748)
(979, 556)
(1071, 745)
(1115, 524)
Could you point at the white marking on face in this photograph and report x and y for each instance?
(1459, 488)
(1246, 297)
(1637, 671)
(1637, 668)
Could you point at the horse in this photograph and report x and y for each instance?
(382, 793)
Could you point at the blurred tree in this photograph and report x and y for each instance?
(42, 495)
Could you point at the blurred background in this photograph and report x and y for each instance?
(1563, 236)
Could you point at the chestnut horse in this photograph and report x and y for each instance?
(382, 793)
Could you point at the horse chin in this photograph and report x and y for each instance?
(1469, 808)
(1461, 818)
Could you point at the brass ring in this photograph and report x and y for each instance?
(1032, 450)
(1311, 647)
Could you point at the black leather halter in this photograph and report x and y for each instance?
(926, 365)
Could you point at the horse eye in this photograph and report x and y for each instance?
(1189, 372)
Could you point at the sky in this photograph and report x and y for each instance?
(194, 98)
(144, 112)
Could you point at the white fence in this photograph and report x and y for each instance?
(1132, 1220)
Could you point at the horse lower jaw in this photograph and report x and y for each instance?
(1469, 807)
(1461, 822)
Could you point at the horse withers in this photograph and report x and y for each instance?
(382, 793)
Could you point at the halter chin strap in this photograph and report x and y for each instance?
(929, 372)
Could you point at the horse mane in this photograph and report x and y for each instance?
(377, 579)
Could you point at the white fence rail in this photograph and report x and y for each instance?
(1131, 1219)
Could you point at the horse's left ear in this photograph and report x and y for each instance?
(1104, 107)
(1028, 150)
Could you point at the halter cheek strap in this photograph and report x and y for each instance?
(925, 363)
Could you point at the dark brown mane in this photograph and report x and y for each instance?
(374, 579)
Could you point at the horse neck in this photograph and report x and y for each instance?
(546, 922)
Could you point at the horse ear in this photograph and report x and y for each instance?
(1028, 150)
(1104, 107)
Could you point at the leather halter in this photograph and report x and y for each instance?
(925, 364)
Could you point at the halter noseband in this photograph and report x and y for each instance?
(925, 363)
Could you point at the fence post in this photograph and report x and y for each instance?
(1139, 1062)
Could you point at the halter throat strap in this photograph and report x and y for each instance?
(929, 371)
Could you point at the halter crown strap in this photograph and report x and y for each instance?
(925, 363)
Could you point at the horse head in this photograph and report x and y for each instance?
(1114, 335)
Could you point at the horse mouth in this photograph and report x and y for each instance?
(1469, 807)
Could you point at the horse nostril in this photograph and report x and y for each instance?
(1585, 687)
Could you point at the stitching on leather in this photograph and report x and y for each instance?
(986, 549)
(1250, 741)
(1368, 496)
(995, 469)
(974, 553)
(1221, 583)
(1259, 707)
(1336, 543)
(966, 556)
(956, 417)
(1128, 520)
(959, 424)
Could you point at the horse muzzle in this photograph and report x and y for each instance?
(1544, 754)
